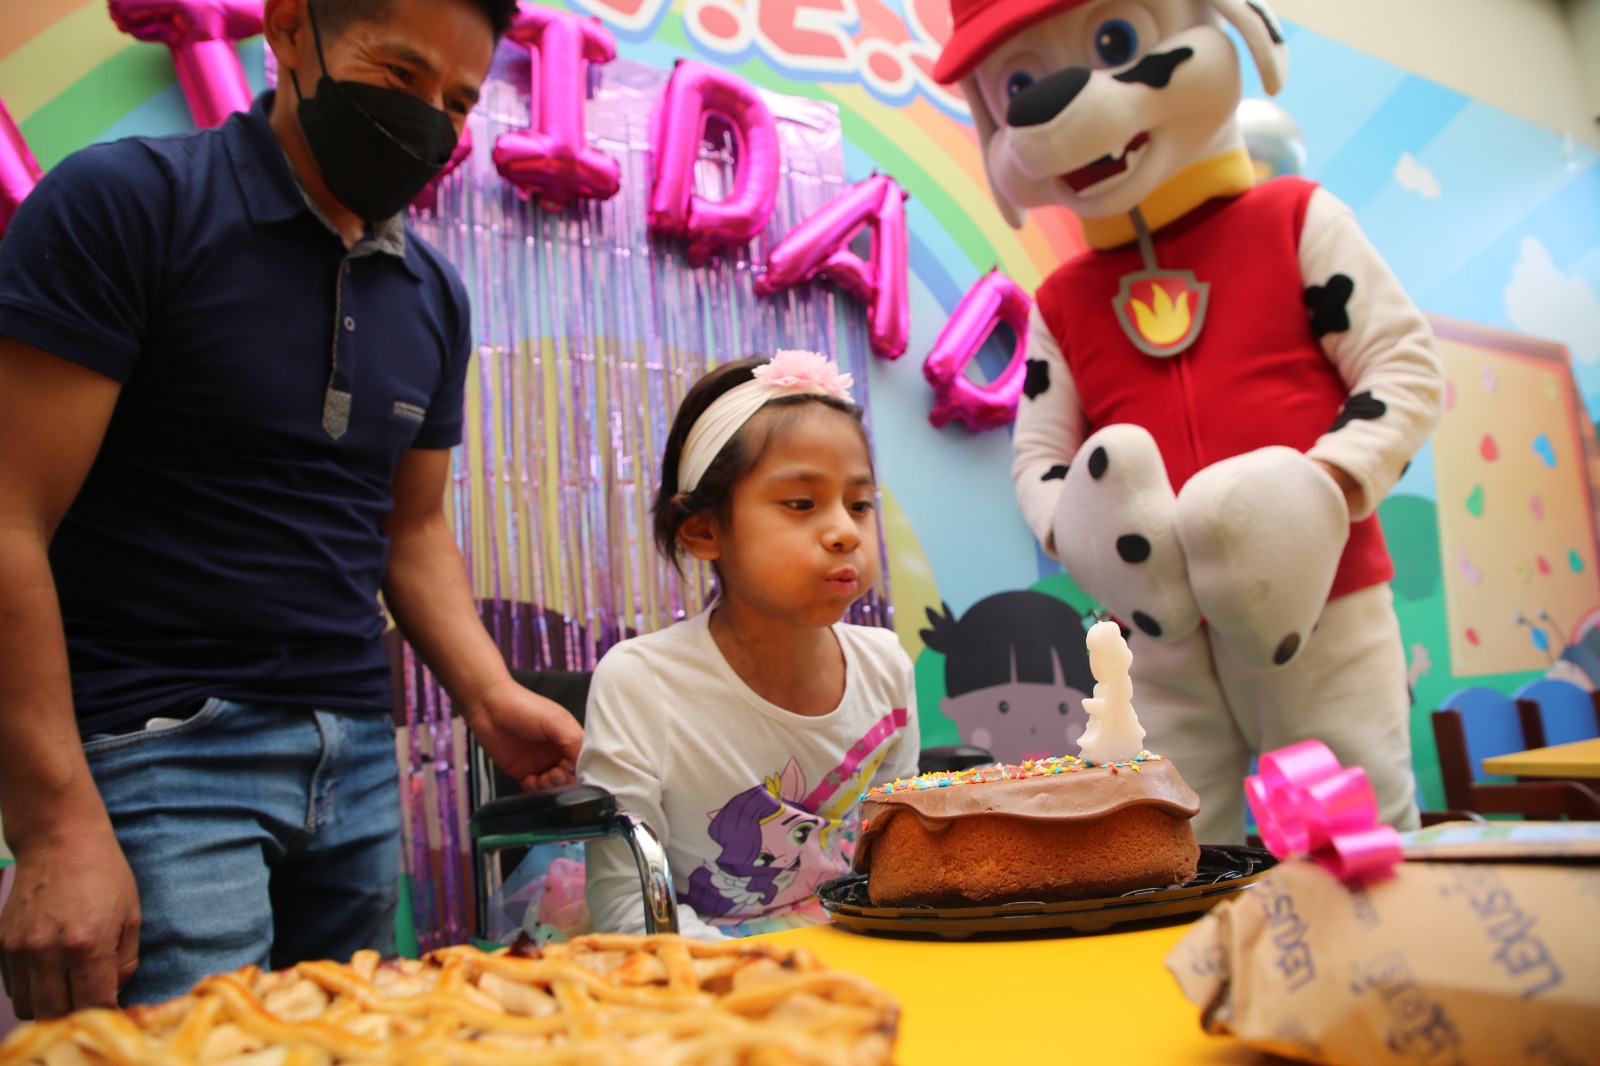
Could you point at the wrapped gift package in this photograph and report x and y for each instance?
(1482, 949)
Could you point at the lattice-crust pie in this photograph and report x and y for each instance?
(597, 1000)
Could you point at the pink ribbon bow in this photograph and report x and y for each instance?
(1305, 804)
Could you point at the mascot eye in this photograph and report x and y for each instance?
(1017, 84)
(1116, 42)
(1065, 709)
(1004, 706)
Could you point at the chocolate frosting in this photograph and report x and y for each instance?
(1077, 796)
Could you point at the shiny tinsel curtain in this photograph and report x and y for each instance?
(589, 334)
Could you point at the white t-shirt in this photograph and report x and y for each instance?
(756, 805)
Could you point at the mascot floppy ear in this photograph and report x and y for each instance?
(1263, 34)
(986, 127)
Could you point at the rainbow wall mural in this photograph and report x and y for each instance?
(1486, 218)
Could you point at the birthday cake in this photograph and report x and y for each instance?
(1055, 829)
(1107, 821)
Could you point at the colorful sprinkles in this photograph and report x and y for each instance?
(979, 775)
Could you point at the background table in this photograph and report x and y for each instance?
(1092, 998)
(1580, 759)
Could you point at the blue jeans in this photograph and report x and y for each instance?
(258, 833)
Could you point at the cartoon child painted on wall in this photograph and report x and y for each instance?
(1016, 671)
(774, 852)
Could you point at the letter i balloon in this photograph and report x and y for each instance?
(201, 35)
(552, 160)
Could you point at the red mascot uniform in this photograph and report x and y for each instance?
(1220, 391)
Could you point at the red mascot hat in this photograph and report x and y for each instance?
(982, 24)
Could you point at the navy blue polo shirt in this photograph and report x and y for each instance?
(228, 540)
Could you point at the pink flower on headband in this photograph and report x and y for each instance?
(794, 370)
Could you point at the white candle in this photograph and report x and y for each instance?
(1114, 733)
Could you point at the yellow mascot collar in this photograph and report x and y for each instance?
(1228, 174)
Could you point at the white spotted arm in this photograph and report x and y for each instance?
(1381, 345)
(1049, 429)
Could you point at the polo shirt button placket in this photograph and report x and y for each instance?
(336, 402)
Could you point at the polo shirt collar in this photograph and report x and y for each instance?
(273, 193)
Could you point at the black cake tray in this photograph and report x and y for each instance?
(1225, 870)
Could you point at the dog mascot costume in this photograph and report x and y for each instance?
(1219, 391)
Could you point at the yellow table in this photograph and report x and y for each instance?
(1580, 759)
(1092, 998)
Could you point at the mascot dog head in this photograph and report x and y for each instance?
(1095, 104)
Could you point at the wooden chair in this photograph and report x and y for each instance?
(1554, 711)
(1477, 723)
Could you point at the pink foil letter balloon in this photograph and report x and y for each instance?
(201, 34)
(994, 299)
(19, 172)
(821, 245)
(694, 93)
(552, 160)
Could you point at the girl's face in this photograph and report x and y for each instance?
(800, 538)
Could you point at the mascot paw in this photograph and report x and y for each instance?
(1262, 533)
(1114, 533)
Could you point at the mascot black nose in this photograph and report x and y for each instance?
(1047, 97)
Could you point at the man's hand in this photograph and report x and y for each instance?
(69, 934)
(426, 589)
(531, 738)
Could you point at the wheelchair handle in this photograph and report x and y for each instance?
(660, 908)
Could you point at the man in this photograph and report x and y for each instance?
(229, 382)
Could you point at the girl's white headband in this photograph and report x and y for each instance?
(790, 373)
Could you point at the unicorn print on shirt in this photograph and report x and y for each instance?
(779, 841)
(774, 853)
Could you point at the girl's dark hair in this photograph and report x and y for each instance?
(736, 459)
(334, 15)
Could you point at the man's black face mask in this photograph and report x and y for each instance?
(376, 147)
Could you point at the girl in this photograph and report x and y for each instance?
(745, 735)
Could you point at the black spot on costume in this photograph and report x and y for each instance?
(1363, 406)
(1329, 304)
(1286, 649)
(1037, 383)
(1098, 462)
(1055, 473)
(1155, 70)
(1133, 548)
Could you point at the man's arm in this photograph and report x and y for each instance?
(426, 588)
(69, 932)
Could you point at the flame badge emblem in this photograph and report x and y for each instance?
(1162, 311)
